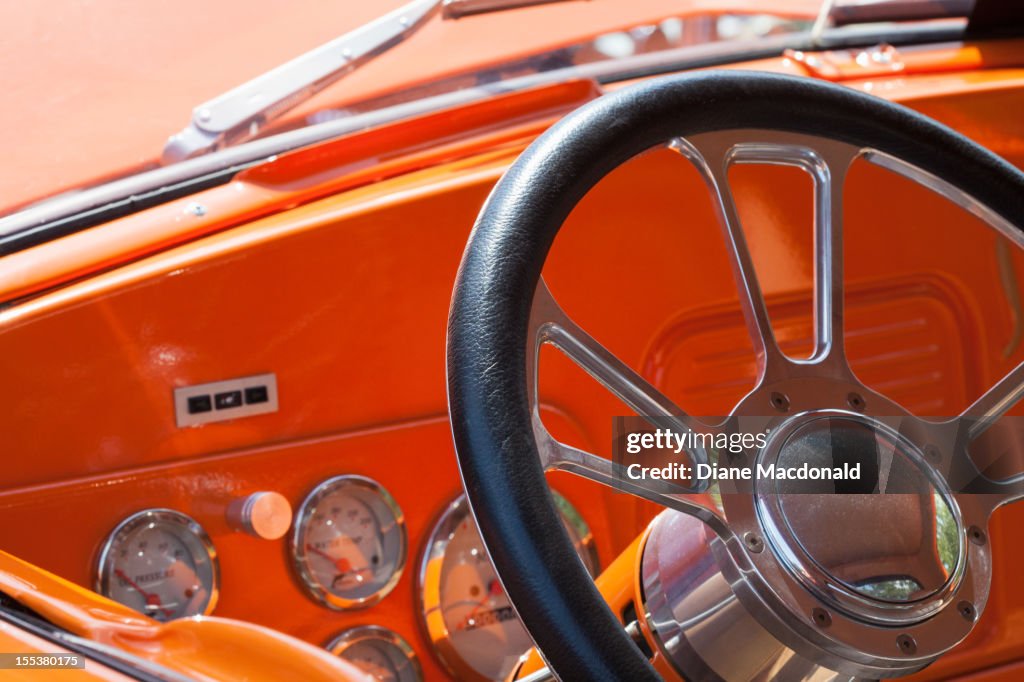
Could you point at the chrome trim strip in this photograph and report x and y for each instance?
(47, 214)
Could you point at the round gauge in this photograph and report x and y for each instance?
(470, 620)
(379, 652)
(160, 563)
(349, 543)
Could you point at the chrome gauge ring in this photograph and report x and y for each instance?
(471, 623)
(349, 544)
(379, 652)
(161, 563)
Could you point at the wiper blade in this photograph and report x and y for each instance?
(240, 113)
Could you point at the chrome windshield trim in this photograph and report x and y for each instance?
(52, 215)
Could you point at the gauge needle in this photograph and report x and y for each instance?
(343, 565)
(493, 590)
(151, 598)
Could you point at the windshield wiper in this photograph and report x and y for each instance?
(241, 113)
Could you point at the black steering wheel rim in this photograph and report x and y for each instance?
(489, 318)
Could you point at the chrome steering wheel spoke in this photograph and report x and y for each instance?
(995, 402)
(710, 153)
(549, 324)
(557, 456)
(982, 436)
(826, 162)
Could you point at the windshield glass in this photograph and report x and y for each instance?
(101, 86)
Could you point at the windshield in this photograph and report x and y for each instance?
(101, 86)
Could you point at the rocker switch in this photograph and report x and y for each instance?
(227, 400)
(223, 400)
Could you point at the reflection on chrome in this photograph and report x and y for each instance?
(472, 624)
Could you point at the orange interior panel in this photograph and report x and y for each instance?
(337, 279)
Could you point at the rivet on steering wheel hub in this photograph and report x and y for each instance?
(907, 644)
(976, 535)
(780, 402)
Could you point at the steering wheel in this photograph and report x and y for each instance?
(502, 312)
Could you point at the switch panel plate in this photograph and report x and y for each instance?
(222, 400)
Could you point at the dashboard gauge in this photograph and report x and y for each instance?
(379, 652)
(160, 563)
(471, 622)
(349, 544)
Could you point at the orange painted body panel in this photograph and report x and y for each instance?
(471, 132)
(201, 648)
(332, 267)
(14, 639)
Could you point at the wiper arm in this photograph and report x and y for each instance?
(240, 113)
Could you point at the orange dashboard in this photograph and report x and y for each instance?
(342, 295)
(259, 582)
(358, 361)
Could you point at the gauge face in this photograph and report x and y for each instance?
(349, 544)
(379, 652)
(471, 621)
(160, 563)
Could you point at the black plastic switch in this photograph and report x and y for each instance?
(199, 403)
(227, 400)
(256, 394)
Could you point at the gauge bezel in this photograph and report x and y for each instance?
(299, 556)
(173, 518)
(378, 633)
(430, 615)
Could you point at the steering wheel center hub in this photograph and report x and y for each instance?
(855, 512)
